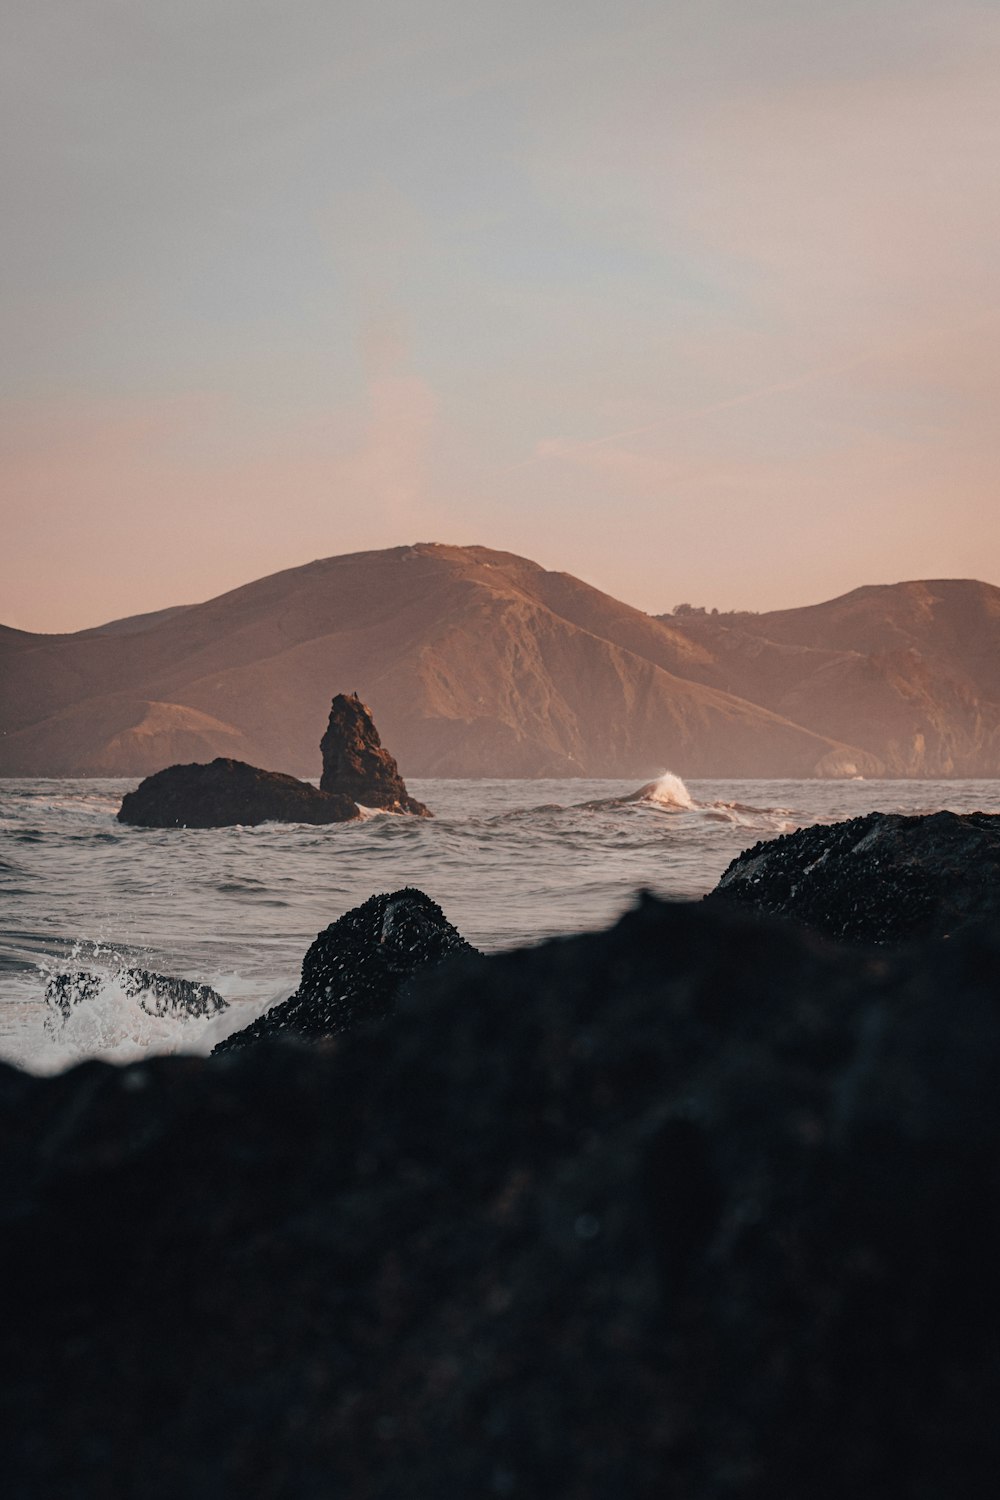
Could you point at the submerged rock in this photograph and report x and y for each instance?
(882, 878)
(355, 968)
(226, 792)
(355, 763)
(693, 1207)
(157, 994)
(64, 991)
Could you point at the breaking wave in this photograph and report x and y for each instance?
(120, 1013)
(156, 994)
(668, 791)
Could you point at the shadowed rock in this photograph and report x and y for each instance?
(227, 792)
(355, 968)
(882, 878)
(356, 765)
(158, 994)
(694, 1207)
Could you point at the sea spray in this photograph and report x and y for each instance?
(111, 1018)
(119, 1013)
(157, 994)
(669, 791)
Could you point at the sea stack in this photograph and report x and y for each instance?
(355, 763)
(356, 769)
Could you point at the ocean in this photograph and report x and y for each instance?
(510, 862)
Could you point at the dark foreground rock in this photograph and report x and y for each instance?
(226, 792)
(355, 763)
(356, 967)
(699, 1207)
(883, 878)
(157, 994)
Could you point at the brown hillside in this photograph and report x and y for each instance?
(910, 671)
(475, 663)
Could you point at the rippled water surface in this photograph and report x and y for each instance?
(236, 908)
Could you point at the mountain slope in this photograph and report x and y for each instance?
(475, 663)
(909, 671)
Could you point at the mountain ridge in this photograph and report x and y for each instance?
(910, 670)
(476, 662)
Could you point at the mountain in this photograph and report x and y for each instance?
(474, 662)
(909, 671)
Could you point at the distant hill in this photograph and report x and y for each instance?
(475, 663)
(908, 671)
(133, 624)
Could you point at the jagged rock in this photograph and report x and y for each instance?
(695, 1207)
(882, 878)
(227, 792)
(158, 994)
(356, 967)
(356, 765)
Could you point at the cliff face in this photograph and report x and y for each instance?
(476, 663)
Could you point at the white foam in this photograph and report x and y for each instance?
(114, 1026)
(761, 819)
(367, 813)
(669, 791)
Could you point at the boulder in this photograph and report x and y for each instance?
(356, 967)
(882, 878)
(355, 763)
(697, 1206)
(227, 792)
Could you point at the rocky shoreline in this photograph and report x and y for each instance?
(704, 1205)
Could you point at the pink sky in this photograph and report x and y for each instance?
(694, 302)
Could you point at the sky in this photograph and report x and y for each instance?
(697, 301)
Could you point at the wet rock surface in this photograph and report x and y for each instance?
(226, 792)
(356, 968)
(355, 763)
(883, 878)
(699, 1206)
(157, 994)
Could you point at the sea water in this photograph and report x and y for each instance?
(511, 862)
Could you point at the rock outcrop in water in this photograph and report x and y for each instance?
(693, 1207)
(356, 968)
(356, 768)
(157, 994)
(882, 878)
(227, 792)
(355, 763)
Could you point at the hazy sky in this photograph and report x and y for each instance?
(699, 301)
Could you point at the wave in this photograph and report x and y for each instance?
(121, 1013)
(668, 791)
(93, 805)
(156, 994)
(743, 815)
